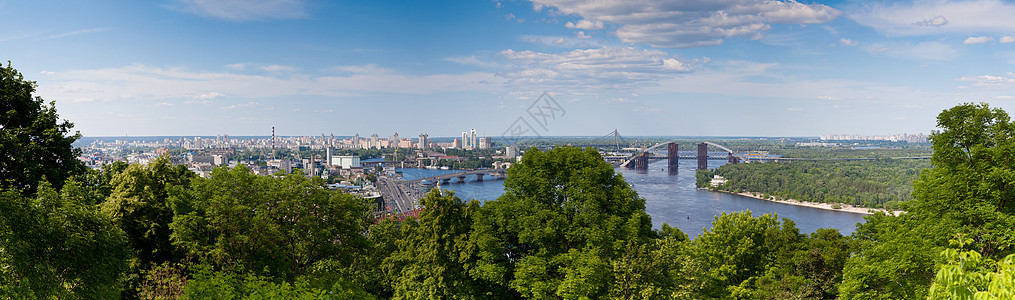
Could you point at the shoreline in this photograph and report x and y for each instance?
(848, 208)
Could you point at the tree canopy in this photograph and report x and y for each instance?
(34, 143)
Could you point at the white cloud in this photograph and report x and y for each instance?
(245, 10)
(250, 104)
(826, 97)
(688, 23)
(992, 81)
(278, 68)
(560, 41)
(581, 35)
(932, 50)
(754, 80)
(847, 42)
(164, 104)
(147, 82)
(472, 60)
(212, 95)
(585, 24)
(592, 70)
(977, 40)
(79, 32)
(1005, 97)
(205, 102)
(324, 111)
(623, 100)
(1007, 39)
(795, 109)
(237, 66)
(905, 18)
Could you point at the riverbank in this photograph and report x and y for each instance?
(849, 208)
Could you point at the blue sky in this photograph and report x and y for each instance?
(680, 67)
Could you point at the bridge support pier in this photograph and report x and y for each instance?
(672, 155)
(479, 177)
(445, 181)
(703, 156)
(732, 159)
(461, 179)
(641, 161)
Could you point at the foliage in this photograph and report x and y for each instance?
(878, 183)
(138, 204)
(966, 191)
(53, 247)
(564, 217)
(849, 152)
(209, 284)
(968, 275)
(737, 248)
(973, 179)
(277, 227)
(36, 145)
(433, 256)
(651, 270)
(702, 178)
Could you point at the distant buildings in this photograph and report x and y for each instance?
(346, 161)
(485, 142)
(472, 138)
(511, 152)
(901, 137)
(424, 141)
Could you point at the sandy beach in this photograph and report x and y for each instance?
(827, 206)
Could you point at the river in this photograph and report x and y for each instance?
(671, 197)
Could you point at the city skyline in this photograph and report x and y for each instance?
(645, 68)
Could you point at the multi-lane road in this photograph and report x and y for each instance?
(398, 196)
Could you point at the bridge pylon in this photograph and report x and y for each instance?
(703, 156)
(641, 161)
(732, 160)
(672, 155)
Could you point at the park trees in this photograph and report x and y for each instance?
(54, 242)
(288, 228)
(435, 254)
(968, 191)
(139, 205)
(34, 142)
(564, 217)
(54, 247)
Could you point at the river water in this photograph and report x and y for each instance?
(671, 197)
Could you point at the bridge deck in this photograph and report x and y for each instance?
(457, 174)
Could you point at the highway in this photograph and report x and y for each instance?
(395, 195)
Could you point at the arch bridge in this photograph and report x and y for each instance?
(640, 159)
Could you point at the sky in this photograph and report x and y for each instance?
(504, 68)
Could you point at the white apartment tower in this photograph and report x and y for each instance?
(472, 138)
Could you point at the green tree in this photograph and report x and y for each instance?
(651, 270)
(968, 191)
(280, 227)
(973, 179)
(139, 204)
(35, 143)
(564, 217)
(965, 274)
(53, 247)
(736, 248)
(434, 253)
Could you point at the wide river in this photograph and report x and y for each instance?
(671, 197)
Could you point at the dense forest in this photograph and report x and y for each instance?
(567, 227)
(885, 183)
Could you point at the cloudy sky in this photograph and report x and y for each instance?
(668, 67)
